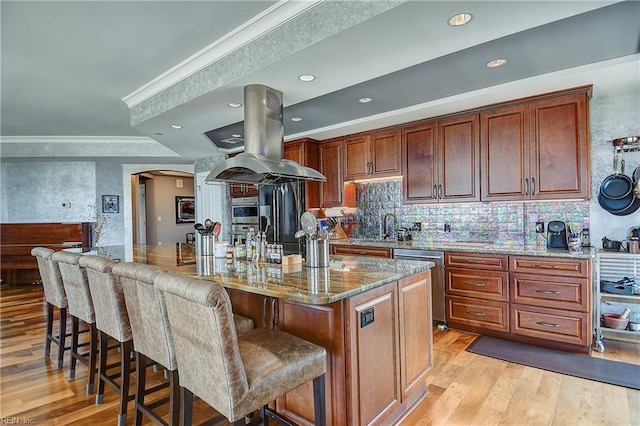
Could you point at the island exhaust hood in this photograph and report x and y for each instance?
(262, 161)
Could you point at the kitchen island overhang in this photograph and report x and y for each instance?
(372, 315)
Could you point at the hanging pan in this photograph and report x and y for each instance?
(620, 207)
(618, 185)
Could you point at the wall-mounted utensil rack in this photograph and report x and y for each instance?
(628, 144)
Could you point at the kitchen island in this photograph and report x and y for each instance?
(372, 315)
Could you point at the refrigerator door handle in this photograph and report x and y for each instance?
(275, 205)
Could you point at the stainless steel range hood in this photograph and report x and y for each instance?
(261, 163)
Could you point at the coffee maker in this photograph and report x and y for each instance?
(558, 234)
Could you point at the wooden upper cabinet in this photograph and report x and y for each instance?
(560, 147)
(330, 165)
(372, 155)
(441, 161)
(306, 152)
(459, 159)
(420, 167)
(504, 144)
(537, 150)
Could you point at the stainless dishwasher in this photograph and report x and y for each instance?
(437, 279)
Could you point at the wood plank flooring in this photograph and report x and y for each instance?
(465, 389)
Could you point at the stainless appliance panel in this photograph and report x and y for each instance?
(438, 306)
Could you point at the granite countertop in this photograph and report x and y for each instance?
(346, 276)
(475, 247)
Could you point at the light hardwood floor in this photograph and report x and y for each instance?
(465, 389)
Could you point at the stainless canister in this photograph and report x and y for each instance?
(206, 245)
(317, 253)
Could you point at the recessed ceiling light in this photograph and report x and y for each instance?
(175, 126)
(364, 100)
(496, 63)
(307, 77)
(296, 118)
(459, 19)
(234, 104)
(236, 135)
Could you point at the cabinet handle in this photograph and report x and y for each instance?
(265, 318)
(440, 192)
(371, 167)
(533, 186)
(547, 324)
(547, 291)
(275, 312)
(475, 284)
(478, 314)
(545, 266)
(526, 186)
(473, 261)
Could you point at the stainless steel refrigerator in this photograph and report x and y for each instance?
(280, 207)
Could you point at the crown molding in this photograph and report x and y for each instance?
(78, 139)
(271, 18)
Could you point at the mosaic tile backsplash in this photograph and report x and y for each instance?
(499, 223)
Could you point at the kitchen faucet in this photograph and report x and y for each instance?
(383, 234)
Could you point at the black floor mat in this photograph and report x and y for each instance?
(577, 365)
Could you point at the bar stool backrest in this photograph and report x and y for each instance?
(205, 340)
(51, 278)
(76, 285)
(147, 312)
(108, 298)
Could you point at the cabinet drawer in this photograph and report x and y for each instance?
(551, 266)
(551, 324)
(552, 292)
(362, 251)
(491, 285)
(478, 313)
(476, 260)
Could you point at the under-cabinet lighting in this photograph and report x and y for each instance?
(379, 179)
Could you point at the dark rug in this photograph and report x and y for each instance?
(577, 365)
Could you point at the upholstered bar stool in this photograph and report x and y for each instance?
(234, 374)
(76, 286)
(55, 297)
(152, 337)
(112, 321)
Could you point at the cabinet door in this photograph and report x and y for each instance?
(419, 158)
(504, 146)
(385, 154)
(331, 167)
(560, 148)
(305, 152)
(459, 159)
(357, 161)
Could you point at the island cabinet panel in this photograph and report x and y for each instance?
(331, 167)
(537, 149)
(374, 359)
(263, 310)
(415, 334)
(324, 326)
(306, 152)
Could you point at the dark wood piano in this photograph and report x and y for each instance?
(17, 239)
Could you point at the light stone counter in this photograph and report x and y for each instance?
(346, 276)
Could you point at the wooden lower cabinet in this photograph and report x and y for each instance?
(551, 324)
(362, 251)
(479, 313)
(379, 347)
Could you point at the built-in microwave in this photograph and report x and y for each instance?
(244, 210)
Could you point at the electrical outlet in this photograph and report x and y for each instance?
(417, 226)
(447, 227)
(539, 227)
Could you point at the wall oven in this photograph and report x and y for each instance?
(244, 215)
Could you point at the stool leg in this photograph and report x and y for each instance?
(47, 339)
(174, 398)
(93, 353)
(141, 376)
(75, 325)
(125, 375)
(102, 368)
(187, 407)
(62, 339)
(319, 403)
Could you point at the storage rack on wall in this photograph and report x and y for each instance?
(614, 266)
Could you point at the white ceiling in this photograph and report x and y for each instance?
(67, 66)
